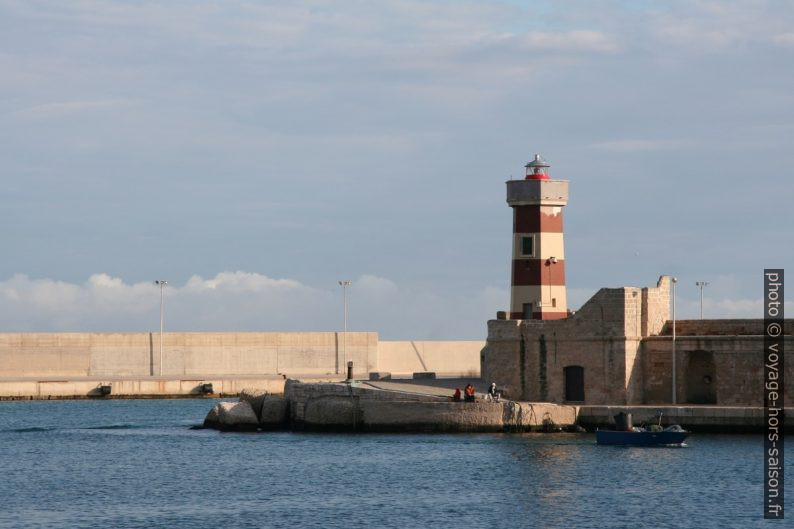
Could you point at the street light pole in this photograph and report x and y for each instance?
(674, 281)
(551, 261)
(162, 283)
(344, 285)
(701, 284)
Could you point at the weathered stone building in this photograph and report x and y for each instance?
(594, 350)
(618, 348)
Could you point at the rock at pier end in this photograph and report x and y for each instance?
(232, 416)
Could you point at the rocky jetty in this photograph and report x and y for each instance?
(232, 416)
(361, 407)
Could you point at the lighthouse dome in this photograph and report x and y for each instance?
(537, 169)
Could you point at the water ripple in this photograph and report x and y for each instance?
(131, 464)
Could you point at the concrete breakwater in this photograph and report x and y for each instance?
(228, 354)
(364, 408)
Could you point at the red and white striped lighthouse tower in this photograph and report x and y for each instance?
(537, 286)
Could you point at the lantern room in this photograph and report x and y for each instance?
(537, 169)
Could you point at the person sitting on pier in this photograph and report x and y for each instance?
(469, 391)
(492, 394)
(456, 396)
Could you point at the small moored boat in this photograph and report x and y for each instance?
(672, 435)
(626, 434)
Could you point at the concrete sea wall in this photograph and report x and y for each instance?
(157, 387)
(227, 353)
(460, 358)
(184, 354)
(64, 365)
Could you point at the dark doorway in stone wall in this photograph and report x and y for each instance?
(574, 383)
(701, 380)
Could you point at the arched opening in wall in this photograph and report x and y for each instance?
(701, 379)
(574, 383)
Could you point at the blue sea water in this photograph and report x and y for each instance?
(136, 463)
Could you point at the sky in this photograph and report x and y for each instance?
(255, 153)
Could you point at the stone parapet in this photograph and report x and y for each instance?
(727, 327)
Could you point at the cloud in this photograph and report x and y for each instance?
(784, 39)
(69, 108)
(243, 301)
(531, 45)
(640, 145)
(713, 26)
(379, 286)
(320, 137)
(314, 48)
(571, 41)
(240, 282)
(693, 35)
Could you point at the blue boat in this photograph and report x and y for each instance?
(671, 436)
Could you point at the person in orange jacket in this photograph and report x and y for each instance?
(469, 391)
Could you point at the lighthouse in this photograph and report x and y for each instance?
(537, 284)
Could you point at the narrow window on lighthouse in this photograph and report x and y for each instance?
(528, 246)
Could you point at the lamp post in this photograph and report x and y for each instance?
(550, 262)
(674, 281)
(162, 283)
(344, 285)
(701, 284)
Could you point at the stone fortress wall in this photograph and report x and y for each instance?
(618, 350)
(717, 362)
